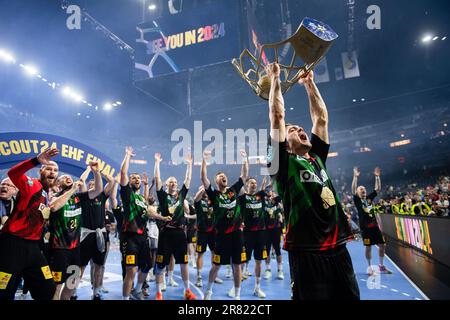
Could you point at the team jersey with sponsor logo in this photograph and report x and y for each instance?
(26, 221)
(227, 216)
(273, 211)
(366, 210)
(315, 219)
(253, 211)
(134, 211)
(172, 206)
(204, 211)
(65, 224)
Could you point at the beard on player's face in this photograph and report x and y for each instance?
(298, 140)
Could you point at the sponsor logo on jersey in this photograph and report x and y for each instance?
(230, 205)
(309, 177)
(4, 279)
(72, 213)
(253, 205)
(46, 272)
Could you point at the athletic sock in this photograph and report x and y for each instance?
(138, 287)
(158, 287)
(199, 273)
(257, 282)
(382, 261)
(186, 284)
(280, 267)
(96, 291)
(170, 275)
(237, 291)
(210, 285)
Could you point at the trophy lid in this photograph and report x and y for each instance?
(319, 29)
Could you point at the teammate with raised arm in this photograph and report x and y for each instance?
(317, 231)
(227, 222)
(370, 231)
(21, 233)
(135, 247)
(172, 238)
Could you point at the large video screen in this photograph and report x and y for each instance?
(190, 39)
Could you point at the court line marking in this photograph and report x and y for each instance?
(407, 278)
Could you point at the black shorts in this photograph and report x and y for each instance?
(372, 236)
(135, 250)
(255, 242)
(323, 275)
(171, 242)
(90, 251)
(229, 248)
(273, 237)
(61, 260)
(191, 235)
(22, 258)
(205, 239)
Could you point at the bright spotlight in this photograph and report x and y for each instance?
(152, 7)
(30, 70)
(427, 38)
(107, 106)
(7, 57)
(118, 103)
(443, 38)
(435, 38)
(67, 91)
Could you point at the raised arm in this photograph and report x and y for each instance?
(157, 172)
(187, 211)
(317, 108)
(188, 178)
(84, 176)
(356, 174)
(146, 187)
(264, 183)
(59, 202)
(198, 196)
(113, 195)
(98, 182)
(125, 165)
(204, 172)
(244, 169)
(110, 182)
(377, 173)
(276, 104)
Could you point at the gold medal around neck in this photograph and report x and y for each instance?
(172, 210)
(327, 198)
(45, 213)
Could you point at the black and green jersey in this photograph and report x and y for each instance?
(315, 219)
(273, 211)
(204, 211)
(65, 224)
(226, 213)
(172, 206)
(252, 211)
(366, 210)
(134, 211)
(191, 223)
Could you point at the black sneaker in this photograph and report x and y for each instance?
(74, 298)
(97, 297)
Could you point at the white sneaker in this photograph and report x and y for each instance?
(237, 298)
(172, 283)
(218, 280)
(280, 275)
(259, 293)
(232, 293)
(208, 295)
(164, 285)
(199, 282)
(267, 274)
(104, 290)
(151, 277)
(229, 273)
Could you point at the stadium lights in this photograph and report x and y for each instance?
(68, 92)
(118, 103)
(427, 38)
(107, 106)
(152, 7)
(6, 56)
(333, 154)
(443, 38)
(399, 143)
(136, 161)
(435, 38)
(30, 69)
